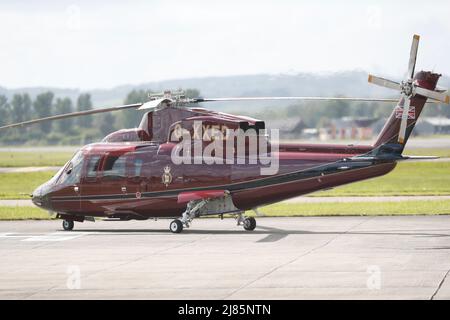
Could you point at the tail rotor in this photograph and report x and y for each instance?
(408, 89)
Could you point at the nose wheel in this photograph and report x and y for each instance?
(176, 226)
(68, 225)
(249, 223)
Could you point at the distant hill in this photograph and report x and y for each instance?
(349, 83)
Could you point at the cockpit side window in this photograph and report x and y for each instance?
(93, 166)
(72, 172)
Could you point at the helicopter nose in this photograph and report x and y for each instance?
(37, 200)
(40, 197)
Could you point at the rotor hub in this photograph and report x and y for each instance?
(407, 88)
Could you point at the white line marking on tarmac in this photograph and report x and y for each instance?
(55, 236)
(4, 235)
(9, 235)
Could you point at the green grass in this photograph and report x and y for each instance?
(59, 158)
(417, 178)
(407, 179)
(23, 213)
(432, 207)
(34, 159)
(20, 185)
(439, 152)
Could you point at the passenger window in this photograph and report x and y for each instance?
(93, 167)
(137, 167)
(114, 167)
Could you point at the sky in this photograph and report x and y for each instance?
(101, 44)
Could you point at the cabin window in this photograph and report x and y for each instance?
(137, 167)
(114, 167)
(93, 167)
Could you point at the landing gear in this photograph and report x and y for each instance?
(68, 225)
(192, 211)
(203, 207)
(176, 226)
(249, 224)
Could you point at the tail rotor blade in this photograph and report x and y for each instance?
(384, 82)
(413, 56)
(403, 124)
(443, 97)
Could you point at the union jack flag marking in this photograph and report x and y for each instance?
(411, 113)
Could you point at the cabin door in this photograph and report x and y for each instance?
(90, 188)
(113, 176)
(136, 183)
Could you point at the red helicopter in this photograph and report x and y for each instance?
(162, 170)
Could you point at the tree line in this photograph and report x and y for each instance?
(87, 129)
(317, 114)
(70, 131)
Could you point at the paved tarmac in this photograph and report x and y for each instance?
(404, 257)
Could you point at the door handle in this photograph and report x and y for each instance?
(124, 189)
(76, 189)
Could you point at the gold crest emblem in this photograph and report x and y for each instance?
(166, 178)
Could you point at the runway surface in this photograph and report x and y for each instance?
(404, 257)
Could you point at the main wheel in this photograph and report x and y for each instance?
(176, 226)
(249, 224)
(67, 225)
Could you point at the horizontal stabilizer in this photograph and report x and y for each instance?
(392, 157)
(419, 158)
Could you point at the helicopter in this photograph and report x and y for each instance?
(183, 161)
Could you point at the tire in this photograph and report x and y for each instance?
(176, 226)
(67, 225)
(250, 224)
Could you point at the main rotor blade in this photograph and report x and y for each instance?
(349, 99)
(413, 56)
(405, 115)
(384, 82)
(296, 98)
(73, 114)
(154, 104)
(433, 94)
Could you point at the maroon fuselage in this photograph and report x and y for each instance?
(131, 174)
(134, 185)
